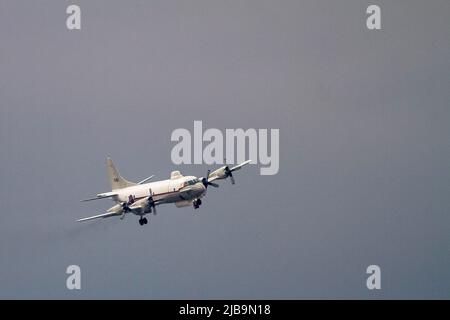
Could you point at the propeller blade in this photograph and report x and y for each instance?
(206, 182)
(126, 205)
(152, 202)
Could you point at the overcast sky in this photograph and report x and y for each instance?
(364, 147)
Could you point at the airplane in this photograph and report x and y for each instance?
(141, 198)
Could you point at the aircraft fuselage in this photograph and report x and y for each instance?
(186, 188)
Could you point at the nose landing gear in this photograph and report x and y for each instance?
(143, 221)
(197, 203)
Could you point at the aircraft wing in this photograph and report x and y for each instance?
(240, 165)
(103, 215)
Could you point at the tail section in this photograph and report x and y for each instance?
(116, 180)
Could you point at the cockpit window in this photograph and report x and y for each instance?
(191, 182)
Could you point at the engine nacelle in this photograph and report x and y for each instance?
(184, 203)
(116, 208)
(220, 173)
(141, 206)
(147, 207)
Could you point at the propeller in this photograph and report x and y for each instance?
(151, 202)
(229, 173)
(207, 183)
(126, 206)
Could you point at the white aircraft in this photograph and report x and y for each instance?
(142, 198)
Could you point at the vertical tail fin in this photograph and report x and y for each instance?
(116, 180)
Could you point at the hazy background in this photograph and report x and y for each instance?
(364, 147)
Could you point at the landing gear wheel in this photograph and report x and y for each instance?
(142, 221)
(197, 203)
(145, 221)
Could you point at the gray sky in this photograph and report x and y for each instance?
(364, 147)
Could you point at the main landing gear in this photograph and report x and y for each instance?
(143, 221)
(197, 203)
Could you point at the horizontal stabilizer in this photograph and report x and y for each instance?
(102, 196)
(146, 179)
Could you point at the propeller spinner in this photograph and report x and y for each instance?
(207, 183)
